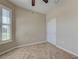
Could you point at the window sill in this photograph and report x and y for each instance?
(5, 42)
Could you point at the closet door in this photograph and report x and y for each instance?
(51, 31)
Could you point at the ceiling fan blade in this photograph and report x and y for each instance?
(46, 1)
(33, 2)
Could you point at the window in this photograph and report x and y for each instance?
(5, 24)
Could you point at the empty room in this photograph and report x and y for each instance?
(38, 29)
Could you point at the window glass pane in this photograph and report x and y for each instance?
(5, 24)
(6, 35)
(0, 23)
(5, 16)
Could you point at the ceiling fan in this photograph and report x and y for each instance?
(33, 2)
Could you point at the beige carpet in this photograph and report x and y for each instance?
(40, 51)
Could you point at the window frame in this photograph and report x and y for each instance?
(11, 13)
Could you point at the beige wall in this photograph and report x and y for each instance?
(30, 26)
(66, 25)
(7, 46)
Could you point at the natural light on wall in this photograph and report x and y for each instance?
(5, 24)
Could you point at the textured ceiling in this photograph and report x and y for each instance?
(40, 6)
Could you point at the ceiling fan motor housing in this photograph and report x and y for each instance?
(33, 2)
(46, 1)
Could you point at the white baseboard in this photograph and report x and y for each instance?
(31, 44)
(22, 46)
(8, 50)
(70, 52)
